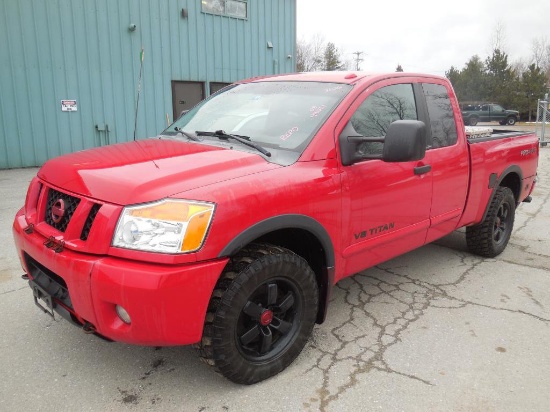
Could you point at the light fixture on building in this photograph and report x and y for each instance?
(269, 45)
(132, 27)
(184, 13)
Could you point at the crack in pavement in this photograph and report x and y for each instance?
(350, 348)
(532, 215)
(14, 290)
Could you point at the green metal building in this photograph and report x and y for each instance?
(69, 69)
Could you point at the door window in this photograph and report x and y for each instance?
(379, 110)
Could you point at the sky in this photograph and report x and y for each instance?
(427, 36)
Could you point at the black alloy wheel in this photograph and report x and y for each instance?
(502, 222)
(261, 314)
(269, 320)
(491, 236)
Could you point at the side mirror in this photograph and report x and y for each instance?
(405, 141)
(183, 112)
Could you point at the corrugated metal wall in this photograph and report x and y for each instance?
(83, 50)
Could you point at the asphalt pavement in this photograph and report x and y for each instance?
(437, 329)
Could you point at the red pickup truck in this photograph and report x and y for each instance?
(229, 229)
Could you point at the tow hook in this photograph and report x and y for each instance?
(89, 328)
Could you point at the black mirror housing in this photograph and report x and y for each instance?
(405, 141)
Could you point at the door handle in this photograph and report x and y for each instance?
(420, 170)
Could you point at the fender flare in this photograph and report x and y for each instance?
(291, 221)
(495, 184)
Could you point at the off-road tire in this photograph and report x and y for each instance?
(491, 236)
(241, 340)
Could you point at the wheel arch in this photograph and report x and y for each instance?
(302, 235)
(510, 178)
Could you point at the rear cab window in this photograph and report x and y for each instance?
(440, 111)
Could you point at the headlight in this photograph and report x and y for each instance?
(168, 226)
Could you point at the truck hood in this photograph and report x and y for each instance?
(147, 170)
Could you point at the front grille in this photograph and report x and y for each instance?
(70, 203)
(89, 221)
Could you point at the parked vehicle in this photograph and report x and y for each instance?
(488, 112)
(205, 236)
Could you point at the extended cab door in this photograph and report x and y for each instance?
(448, 158)
(386, 206)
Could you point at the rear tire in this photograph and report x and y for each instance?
(261, 314)
(490, 237)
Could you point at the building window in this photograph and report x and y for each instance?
(232, 8)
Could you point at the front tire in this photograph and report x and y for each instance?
(490, 237)
(261, 314)
(511, 121)
(473, 121)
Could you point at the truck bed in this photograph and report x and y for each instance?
(476, 134)
(487, 168)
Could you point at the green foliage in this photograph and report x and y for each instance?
(533, 86)
(332, 58)
(501, 81)
(496, 81)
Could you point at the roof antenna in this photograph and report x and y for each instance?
(141, 55)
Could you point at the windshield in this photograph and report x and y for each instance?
(282, 117)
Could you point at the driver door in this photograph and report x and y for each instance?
(386, 206)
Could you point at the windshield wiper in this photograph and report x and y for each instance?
(188, 135)
(243, 139)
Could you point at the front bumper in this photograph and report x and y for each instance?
(167, 303)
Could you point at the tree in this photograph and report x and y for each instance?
(332, 57)
(453, 75)
(502, 81)
(498, 38)
(540, 49)
(515, 86)
(309, 54)
(399, 68)
(469, 83)
(533, 86)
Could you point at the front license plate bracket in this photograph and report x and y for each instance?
(40, 295)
